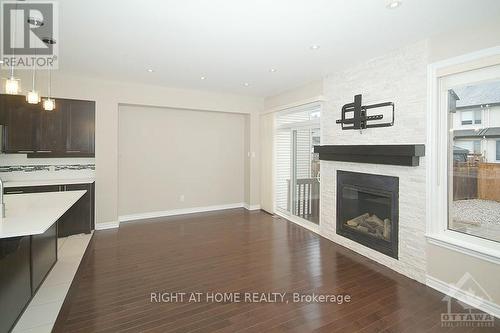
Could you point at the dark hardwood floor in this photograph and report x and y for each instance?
(237, 251)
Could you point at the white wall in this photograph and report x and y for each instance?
(168, 153)
(306, 93)
(109, 94)
(491, 150)
(267, 133)
(493, 116)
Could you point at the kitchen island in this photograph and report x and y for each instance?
(28, 247)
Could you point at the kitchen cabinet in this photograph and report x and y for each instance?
(80, 128)
(19, 120)
(79, 218)
(24, 264)
(67, 131)
(31, 189)
(15, 279)
(43, 256)
(50, 132)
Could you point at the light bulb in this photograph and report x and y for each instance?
(12, 86)
(49, 104)
(33, 97)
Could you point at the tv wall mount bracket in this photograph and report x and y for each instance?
(360, 119)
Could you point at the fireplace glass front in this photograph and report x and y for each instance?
(367, 210)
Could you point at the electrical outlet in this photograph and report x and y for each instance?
(181, 198)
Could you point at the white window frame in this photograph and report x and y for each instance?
(437, 231)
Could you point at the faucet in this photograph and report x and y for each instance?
(2, 204)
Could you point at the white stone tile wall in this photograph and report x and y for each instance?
(400, 77)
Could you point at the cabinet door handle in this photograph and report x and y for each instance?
(44, 151)
(72, 151)
(25, 151)
(14, 192)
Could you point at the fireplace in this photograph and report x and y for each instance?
(367, 210)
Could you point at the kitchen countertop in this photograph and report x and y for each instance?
(43, 182)
(34, 213)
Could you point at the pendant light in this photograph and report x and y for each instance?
(12, 86)
(48, 103)
(33, 96)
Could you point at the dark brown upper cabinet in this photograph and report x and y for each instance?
(80, 127)
(67, 131)
(51, 137)
(19, 120)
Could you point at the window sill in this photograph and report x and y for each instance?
(466, 244)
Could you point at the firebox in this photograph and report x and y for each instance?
(367, 210)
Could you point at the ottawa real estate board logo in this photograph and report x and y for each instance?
(29, 34)
(463, 312)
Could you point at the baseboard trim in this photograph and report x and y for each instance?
(174, 212)
(463, 296)
(251, 207)
(107, 225)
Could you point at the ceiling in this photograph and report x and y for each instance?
(233, 42)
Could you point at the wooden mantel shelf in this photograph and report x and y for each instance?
(404, 155)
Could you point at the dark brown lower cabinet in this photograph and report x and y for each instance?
(79, 218)
(24, 264)
(15, 279)
(43, 256)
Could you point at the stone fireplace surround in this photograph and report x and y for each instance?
(399, 77)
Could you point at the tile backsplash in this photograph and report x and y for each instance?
(18, 167)
(46, 167)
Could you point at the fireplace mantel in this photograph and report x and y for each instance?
(405, 155)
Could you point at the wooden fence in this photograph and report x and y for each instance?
(476, 181)
(489, 181)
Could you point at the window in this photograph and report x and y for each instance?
(474, 184)
(477, 147)
(467, 117)
(469, 147)
(498, 150)
(462, 198)
(471, 117)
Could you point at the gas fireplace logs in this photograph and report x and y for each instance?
(372, 225)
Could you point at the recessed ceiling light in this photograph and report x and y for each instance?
(150, 70)
(203, 78)
(314, 47)
(391, 4)
(272, 70)
(1, 61)
(246, 84)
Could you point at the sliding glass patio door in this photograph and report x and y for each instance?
(305, 173)
(297, 170)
